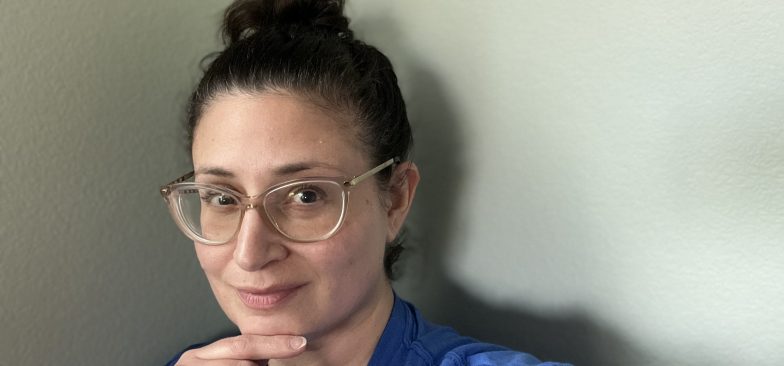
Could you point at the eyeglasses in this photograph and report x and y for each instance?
(303, 210)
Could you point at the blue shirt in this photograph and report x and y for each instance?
(408, 339)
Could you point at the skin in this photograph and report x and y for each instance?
(342, 299)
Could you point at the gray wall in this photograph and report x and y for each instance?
(602, 181)
(91, 269)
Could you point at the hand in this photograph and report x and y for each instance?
(246, 349)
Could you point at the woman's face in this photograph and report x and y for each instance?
(266, 283)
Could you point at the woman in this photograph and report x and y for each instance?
(301, 183)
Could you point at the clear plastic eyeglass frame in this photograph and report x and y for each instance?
(256, 201)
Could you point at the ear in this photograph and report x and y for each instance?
(402, 187)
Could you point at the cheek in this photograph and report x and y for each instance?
(346, 274)
(357, 251)
(335, 259)
(213, 259)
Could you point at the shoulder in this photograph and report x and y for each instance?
(411, 340)
(471, 352)
(465, 357)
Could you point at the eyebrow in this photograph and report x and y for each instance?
(282, 170)
(218, 172)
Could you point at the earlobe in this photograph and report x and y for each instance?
(402, 188)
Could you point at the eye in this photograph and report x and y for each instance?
(218, 199)
(306, 195)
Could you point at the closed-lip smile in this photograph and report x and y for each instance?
(269, 297)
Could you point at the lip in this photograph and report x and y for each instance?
(269, 297)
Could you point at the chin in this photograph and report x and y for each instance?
(269, 324)
(265, 326)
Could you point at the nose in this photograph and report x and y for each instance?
(258, 243)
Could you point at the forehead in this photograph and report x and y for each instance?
(259, 132)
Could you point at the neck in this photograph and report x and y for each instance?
(353, 342)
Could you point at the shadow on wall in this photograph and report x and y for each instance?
(573, 338)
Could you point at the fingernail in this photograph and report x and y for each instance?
(297, 342)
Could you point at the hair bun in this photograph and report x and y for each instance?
(244, 18)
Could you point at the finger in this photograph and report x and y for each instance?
(253, 347)
(199, 362)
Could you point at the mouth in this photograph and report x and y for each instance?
(267, 298)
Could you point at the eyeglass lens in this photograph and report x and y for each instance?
(305, 211)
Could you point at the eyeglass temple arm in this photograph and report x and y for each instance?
(165, 189)
(369, 173)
